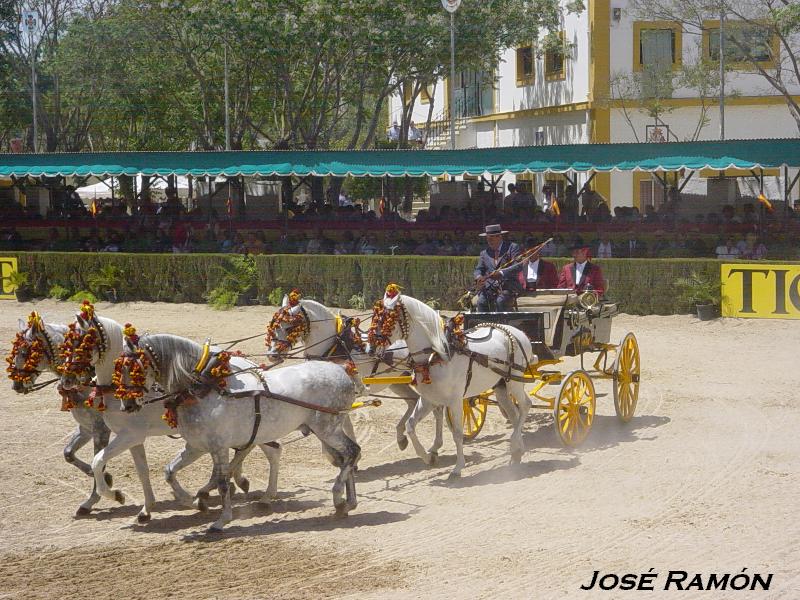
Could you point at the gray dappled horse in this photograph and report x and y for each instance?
(267, 406)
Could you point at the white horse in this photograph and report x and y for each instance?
(36, 351)
(327, 336)
(493, 356)
(131, 430)
(314, 395)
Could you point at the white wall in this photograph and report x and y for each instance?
(739, 82)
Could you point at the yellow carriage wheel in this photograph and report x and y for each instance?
(473, 415)
(574, 408)
(626, 378)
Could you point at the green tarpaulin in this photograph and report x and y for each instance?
(742, 154)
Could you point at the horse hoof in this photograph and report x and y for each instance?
(434, 458)
(265, 505)
(216, 528)
(402, 442)
(82, 511)
(142, 518)
(119, 497)
(109, 479)
(341, 511)
(454, 476)
(202, 494)
(201, 504)
(244, 484)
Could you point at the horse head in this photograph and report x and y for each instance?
(84, 345)
(389, 320)
(31, 354)
(135, 370)
(289, 325)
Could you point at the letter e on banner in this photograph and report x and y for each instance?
(7, 266)
(760, 291)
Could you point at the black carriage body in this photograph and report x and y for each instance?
(556, 324)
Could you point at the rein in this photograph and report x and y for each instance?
(38, 386)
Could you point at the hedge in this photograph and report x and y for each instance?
(641, 286)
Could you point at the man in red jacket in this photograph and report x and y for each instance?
(538, 274)
(581, 274)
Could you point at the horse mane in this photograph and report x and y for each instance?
(429, 321)
(176, 358)
(317, 306)
(104, 369)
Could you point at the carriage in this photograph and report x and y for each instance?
(560, 323)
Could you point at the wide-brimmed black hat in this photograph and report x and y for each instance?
(579, 246)
(492, 230)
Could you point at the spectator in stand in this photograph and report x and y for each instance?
(570, 204)
(446, 247)
(407, 243)
(749, 214)
(369, 245)
(634, 247)
(255, 243)
(604, 247)
(728, 250)
(459, 247)
(751, 248)
(114, 243)
(660, 246)
(394, 132)
(347, 245)
(226, 245)
(697, 246)
(547, 198)
(512, 195)
(414, 134)
(344, 200)
(729, 215)
(429, 247)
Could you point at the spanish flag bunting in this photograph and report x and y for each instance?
(382, 207)
(556, 207)
(229, 206)
(93, 208)
(765, 201)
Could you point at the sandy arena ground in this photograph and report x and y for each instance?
(700, 480)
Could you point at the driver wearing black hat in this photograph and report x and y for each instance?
(582, 275)
(493, 284)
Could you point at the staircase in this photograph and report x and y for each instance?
(438, 134)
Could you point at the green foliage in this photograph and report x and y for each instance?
(221, 298)
(640, 286)
(83, 295)
(106, 281)
(58, 292)
(275, 297)
(357, 302)
(18, 279)
(697, 288)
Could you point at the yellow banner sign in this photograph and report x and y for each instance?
(7, 266)
(761, 291)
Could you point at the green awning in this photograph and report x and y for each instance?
(741, 154)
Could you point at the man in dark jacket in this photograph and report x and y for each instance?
(492, 285)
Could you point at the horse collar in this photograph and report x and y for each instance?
(102, 345)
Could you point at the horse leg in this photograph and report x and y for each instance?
(222, 469)
(456, 417)
(523, 403)
(242, 482)
(183, 459)
(347, 426)
(142, 470)
(404, 392)
(421, 410)
(272, 450)
(117, 446)
(78, 440)
(438, 415)
(100, 441)
(345, 452)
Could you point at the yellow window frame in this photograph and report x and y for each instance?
(711, 27)
(549, 74)
(522, 78)
(639, 26)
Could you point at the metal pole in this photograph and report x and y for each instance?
(227, 111)
(722, 71)
(33, 92)
(452, 81)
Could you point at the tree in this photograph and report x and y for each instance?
(777, 22)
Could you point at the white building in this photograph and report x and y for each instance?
(536, 100)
